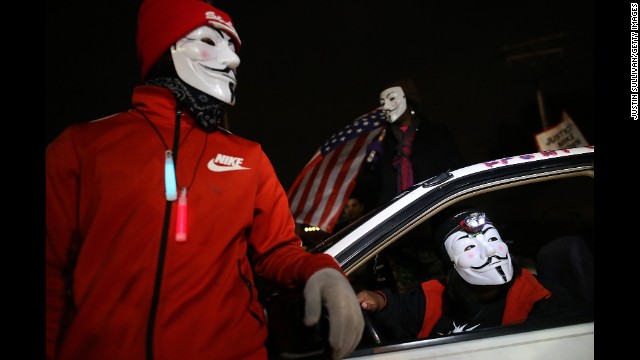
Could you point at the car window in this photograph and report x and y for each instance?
(548, 226)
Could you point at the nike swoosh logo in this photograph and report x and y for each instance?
(219, 168)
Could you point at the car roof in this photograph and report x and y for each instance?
(378, 228)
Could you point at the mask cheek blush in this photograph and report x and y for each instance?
(466, 260)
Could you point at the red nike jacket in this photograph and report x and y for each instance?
(105, 218)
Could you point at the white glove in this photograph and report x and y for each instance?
(329, 287)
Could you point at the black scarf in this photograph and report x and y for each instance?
(205, 109)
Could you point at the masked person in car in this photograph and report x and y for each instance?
(128, 274)
(484, 287)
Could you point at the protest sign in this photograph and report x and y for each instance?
(564, 135)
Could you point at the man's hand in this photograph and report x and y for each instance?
(330, 287)
(370, 300)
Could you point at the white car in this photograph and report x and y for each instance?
(543, 205)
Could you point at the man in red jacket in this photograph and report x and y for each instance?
(484, 287)
(158, 219)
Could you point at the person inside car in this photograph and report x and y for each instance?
(484, 287)
(352, 211)
(128, 274)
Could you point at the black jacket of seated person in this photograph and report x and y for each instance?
(452, 304)
(403, 315)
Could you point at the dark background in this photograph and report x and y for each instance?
(310, 67)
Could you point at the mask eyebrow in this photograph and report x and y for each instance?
(463, 237)
(222, 33)
(487, 229)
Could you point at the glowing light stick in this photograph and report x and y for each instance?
(170, 177)
(181, 222)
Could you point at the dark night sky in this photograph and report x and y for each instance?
(310, 67)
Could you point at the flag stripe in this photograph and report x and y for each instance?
(301, 182)
(320, 191)
(319, 187)
(348, 175)
(326, 197)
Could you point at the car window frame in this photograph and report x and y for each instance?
(448, 190)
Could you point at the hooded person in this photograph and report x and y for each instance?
(128, 274)
(410, 149)
(484, 286)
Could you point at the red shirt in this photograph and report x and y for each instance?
(522, 295)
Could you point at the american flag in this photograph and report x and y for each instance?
(322, 188)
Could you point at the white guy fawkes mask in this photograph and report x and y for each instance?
(206, 59)
(478, 253)
(393, 102)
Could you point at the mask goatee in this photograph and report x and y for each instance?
(501, 272)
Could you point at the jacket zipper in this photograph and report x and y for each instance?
(163, 248)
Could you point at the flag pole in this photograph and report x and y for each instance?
(543, 114)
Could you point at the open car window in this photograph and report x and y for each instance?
(547, 224)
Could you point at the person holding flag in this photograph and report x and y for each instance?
(414, 149)
(377, 156)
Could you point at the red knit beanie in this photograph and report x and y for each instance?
(163, 22)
